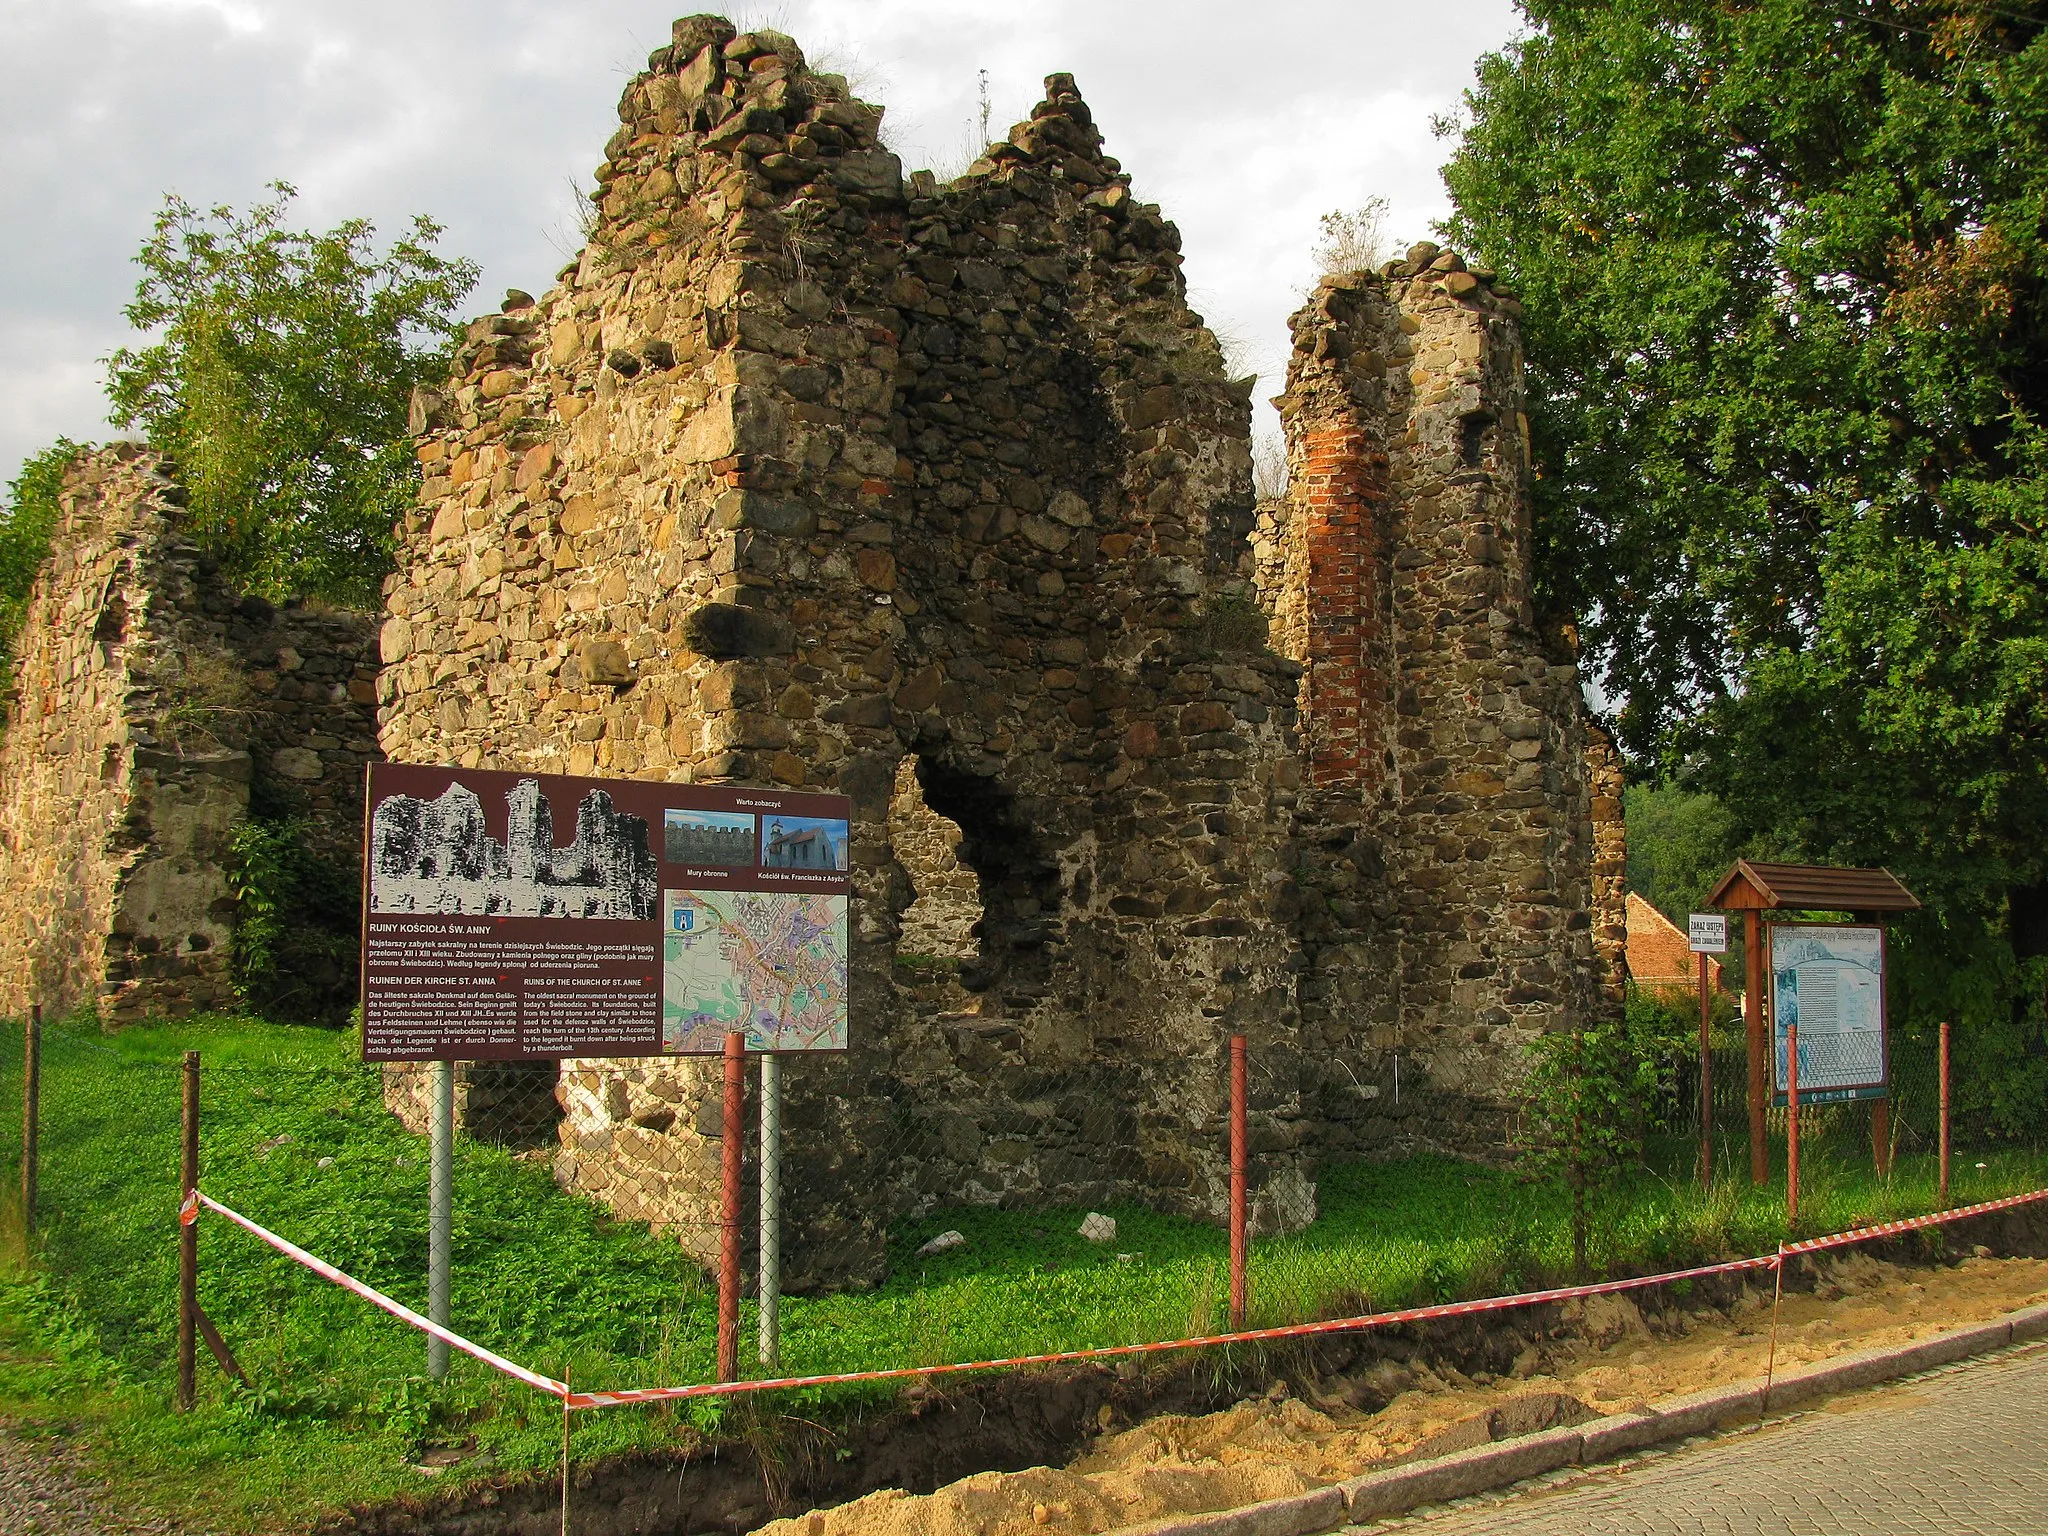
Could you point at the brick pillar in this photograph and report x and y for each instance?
(1343, 495)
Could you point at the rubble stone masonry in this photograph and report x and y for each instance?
(938, 496)
(1437, 731)
(811, 474)
(148, 703)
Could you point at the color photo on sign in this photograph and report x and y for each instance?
(514, 916)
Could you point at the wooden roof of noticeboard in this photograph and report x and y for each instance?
(1814, 887)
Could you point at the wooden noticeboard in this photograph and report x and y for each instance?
(1754, 888)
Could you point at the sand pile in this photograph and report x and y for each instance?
(1623, 1357)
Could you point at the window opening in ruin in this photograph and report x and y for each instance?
(1017, 882)
(1472, 436)
(943, 923)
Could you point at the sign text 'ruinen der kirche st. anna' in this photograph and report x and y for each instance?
(532, 915)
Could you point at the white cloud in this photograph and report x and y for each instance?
(1244, 124)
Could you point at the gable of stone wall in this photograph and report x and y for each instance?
(806, 474)
(803, 475)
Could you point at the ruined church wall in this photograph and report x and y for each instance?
(1610, 861)
(940, 921)
(808, 474)
(1452, 764)
(148, 703)
(804, 473)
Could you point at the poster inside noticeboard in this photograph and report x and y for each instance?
(1828, 979)
(529, 916)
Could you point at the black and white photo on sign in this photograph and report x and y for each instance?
(437, 855)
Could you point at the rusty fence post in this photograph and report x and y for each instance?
(733, 1147)
(31, 1121)
(188, 1237)
(1238, 1170)
(1791, 1125)
(1942, 1195)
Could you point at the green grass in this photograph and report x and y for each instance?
(340, 1406)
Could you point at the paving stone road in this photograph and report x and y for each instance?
(1960, 1451)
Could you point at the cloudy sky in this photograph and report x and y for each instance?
(1244, 122)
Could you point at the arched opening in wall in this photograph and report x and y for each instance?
(1016, 881)
(943, 923)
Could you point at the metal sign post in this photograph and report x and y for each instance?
(440, 1209)
(771, 1209)
(1706, 934)
(732, 1150)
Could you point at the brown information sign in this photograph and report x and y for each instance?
(513, 916)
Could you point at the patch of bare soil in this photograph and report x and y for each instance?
(45, 1492)
(1606, 1354)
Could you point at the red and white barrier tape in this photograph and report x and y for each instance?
(189, 1213)
(575, 1400)
(1911, 1224)
(1207, 1341)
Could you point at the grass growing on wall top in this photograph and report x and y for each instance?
(340, 1408)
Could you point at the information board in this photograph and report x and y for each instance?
(522, 916)
(1829, 980)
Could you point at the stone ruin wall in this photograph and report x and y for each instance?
(148, 705)
(807, 474)
(938, 496)
(1604, 782)
(1448, 756)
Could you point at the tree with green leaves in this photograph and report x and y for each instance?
(26, 523)
(278, 378)
(1786, 273)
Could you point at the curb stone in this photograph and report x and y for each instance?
(1400, 1489)
(1299, 1514)
(1454, 1476)
(1847, 1372)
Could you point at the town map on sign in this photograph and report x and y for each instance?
(771, 963)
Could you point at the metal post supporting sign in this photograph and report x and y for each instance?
(1706, 934)
(440, 1209)
(771, 1209)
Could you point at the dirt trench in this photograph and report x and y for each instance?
(1095, 1448)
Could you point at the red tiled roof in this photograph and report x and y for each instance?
(1659, 955)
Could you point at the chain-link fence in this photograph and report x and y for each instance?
(1913, 1095)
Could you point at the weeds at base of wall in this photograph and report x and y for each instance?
(295, 935)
